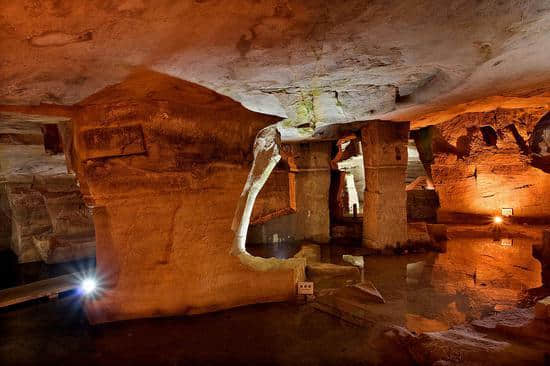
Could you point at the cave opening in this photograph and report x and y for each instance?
(489, 134)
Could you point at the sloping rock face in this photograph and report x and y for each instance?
(483, 162)
(163, 163)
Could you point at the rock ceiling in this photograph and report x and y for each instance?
(311, 61)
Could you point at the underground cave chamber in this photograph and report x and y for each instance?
(274, 182)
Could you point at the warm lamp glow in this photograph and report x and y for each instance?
(498, 220)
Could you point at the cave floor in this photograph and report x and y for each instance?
(423, 292)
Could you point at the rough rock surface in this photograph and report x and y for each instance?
(515, 323)
(483, 162)
(329, 270)
(385, 213)
(163, 163)
(456, 346)
(502, 339)
(40, 199)
(308, 163)
(29, 217)
(314, 62)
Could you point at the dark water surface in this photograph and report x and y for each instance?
(428, 291)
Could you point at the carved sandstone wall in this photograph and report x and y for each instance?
(310, 219)
(39, 200)
(163, 163)
(482, 162)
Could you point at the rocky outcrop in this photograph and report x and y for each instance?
(483, 162)
(163, 164)
(40, 198)
(29, 217)
(498, 339)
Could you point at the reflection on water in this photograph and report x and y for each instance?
(278, 250)
(435, 291)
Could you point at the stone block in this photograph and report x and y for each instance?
(542, 308)
(422, 205)
(319, 270)
(438, 232)
(68, 213)
(59, 249)
(418, 234)
(29, 217)
(311, 252)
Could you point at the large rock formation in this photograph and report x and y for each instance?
(483, 162)
(40, 198)
(163, 163)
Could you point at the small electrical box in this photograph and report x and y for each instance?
(506, 242)
(507, 212)
(305, 288)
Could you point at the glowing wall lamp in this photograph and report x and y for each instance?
(88, 286)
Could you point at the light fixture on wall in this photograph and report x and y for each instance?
(498, 220)
(88, 286)
(507, 212)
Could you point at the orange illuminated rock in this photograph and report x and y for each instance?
(483, 162)
(163, 163)
(385, 160)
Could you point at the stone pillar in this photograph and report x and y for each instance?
(384, 146)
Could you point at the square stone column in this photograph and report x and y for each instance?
(384, 146)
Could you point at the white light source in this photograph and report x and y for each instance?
(498, 219)
(88, 285)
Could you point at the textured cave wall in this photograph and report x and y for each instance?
(310, 221)
(483, 162)
(40, 201)
(5, 222)
(163, 163)
(348, 60)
